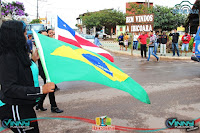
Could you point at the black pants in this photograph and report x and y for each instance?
(51, 98)
(143, 48)
(17, 113)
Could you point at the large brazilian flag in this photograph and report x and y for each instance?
(64, 62)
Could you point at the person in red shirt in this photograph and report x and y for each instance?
(186, 39)
(142, 39)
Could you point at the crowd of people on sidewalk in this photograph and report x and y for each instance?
(156, 39)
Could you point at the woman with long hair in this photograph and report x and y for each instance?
(96, 40)
(20, 88)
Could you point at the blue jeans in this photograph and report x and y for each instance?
(185, 46)
(173, 48)
(135, 45)
(155, 47)
(150, 52)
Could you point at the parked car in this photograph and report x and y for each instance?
(196, 47)
(88, 37)
(36, 27)
(102, 35)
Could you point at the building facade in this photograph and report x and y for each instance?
(193, 20)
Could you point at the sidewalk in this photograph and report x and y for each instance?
(114, 47)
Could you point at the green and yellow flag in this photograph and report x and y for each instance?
(64, 62)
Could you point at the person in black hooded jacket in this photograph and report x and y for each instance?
(20, 90)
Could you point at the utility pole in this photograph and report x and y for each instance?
(51, 22)
(148, 3)
(37, 9)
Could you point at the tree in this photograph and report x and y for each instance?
(15, 9)
(164, 17)
(34, 21)
(138, 9)
(107, 18)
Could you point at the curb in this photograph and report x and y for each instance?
(138, 55)
(108, 42)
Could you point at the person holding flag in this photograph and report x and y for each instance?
(65, 59)
(64, 62)
(20, 88)
(39, 106)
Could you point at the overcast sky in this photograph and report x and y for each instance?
(69, 10)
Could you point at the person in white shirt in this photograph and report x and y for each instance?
(135, 41)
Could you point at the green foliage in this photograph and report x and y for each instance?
(191, 43)
(14, 9)
(164, 18)
(139, 9)
(35, 21)
(107, 18)
(139, 46)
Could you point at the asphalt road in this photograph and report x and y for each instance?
(173, 88)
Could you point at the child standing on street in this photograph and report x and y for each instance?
(126, 37)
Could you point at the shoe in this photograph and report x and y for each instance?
(56, 110)
(56, 89)
(158, 59)
(40, 108)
